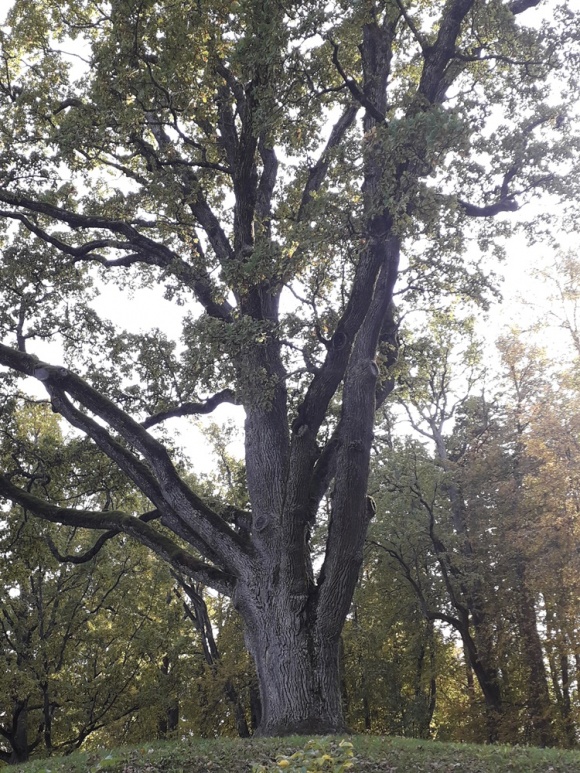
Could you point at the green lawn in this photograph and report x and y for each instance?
(371, 755)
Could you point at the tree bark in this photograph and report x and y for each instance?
(20, 748)
(297, 667)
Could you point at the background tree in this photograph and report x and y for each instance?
(391, 657)
(213, 149)
(83, 632)
(78, 641)
(476, 514)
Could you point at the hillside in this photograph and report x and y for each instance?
(370, 755)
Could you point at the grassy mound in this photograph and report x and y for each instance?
(360, 754)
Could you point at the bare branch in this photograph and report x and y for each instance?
(354, 88)
(191, 409)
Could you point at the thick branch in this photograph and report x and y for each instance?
(324, 471)
(411, 25)
(489, 210)
(81, 252)
(174, 492)
(324, 385)
(325, 467)
(441, 53)
(146, 250)
(319, 170)
(507, 202)
(118, 521)
(77, 220)
(192, 188)
(354, 88)
(267, 184)
(519, 6)
(350, 506)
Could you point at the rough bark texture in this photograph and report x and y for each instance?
(297, 670)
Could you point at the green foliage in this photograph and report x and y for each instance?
(391, 657)
(468, 533)
(81, 646)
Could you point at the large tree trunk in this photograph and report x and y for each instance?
(298, 669)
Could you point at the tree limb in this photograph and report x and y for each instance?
(83, 558)
(266, 184)
(411, 25)
(354, 88)
(118, 521)
(192, 409)
(171, 492)
(438, 56)
(489, 210)
(149, 251)
(519, 6)
(320, 168)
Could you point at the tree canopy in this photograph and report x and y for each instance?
(282, 172)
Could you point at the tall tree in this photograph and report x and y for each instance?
(212, 148)
(544, 397)
(481, 522)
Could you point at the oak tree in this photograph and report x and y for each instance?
(266, 165)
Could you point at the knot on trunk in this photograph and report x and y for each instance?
(299, 429)
(260, 523)
(339, 340)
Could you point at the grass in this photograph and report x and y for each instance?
(372, 754)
